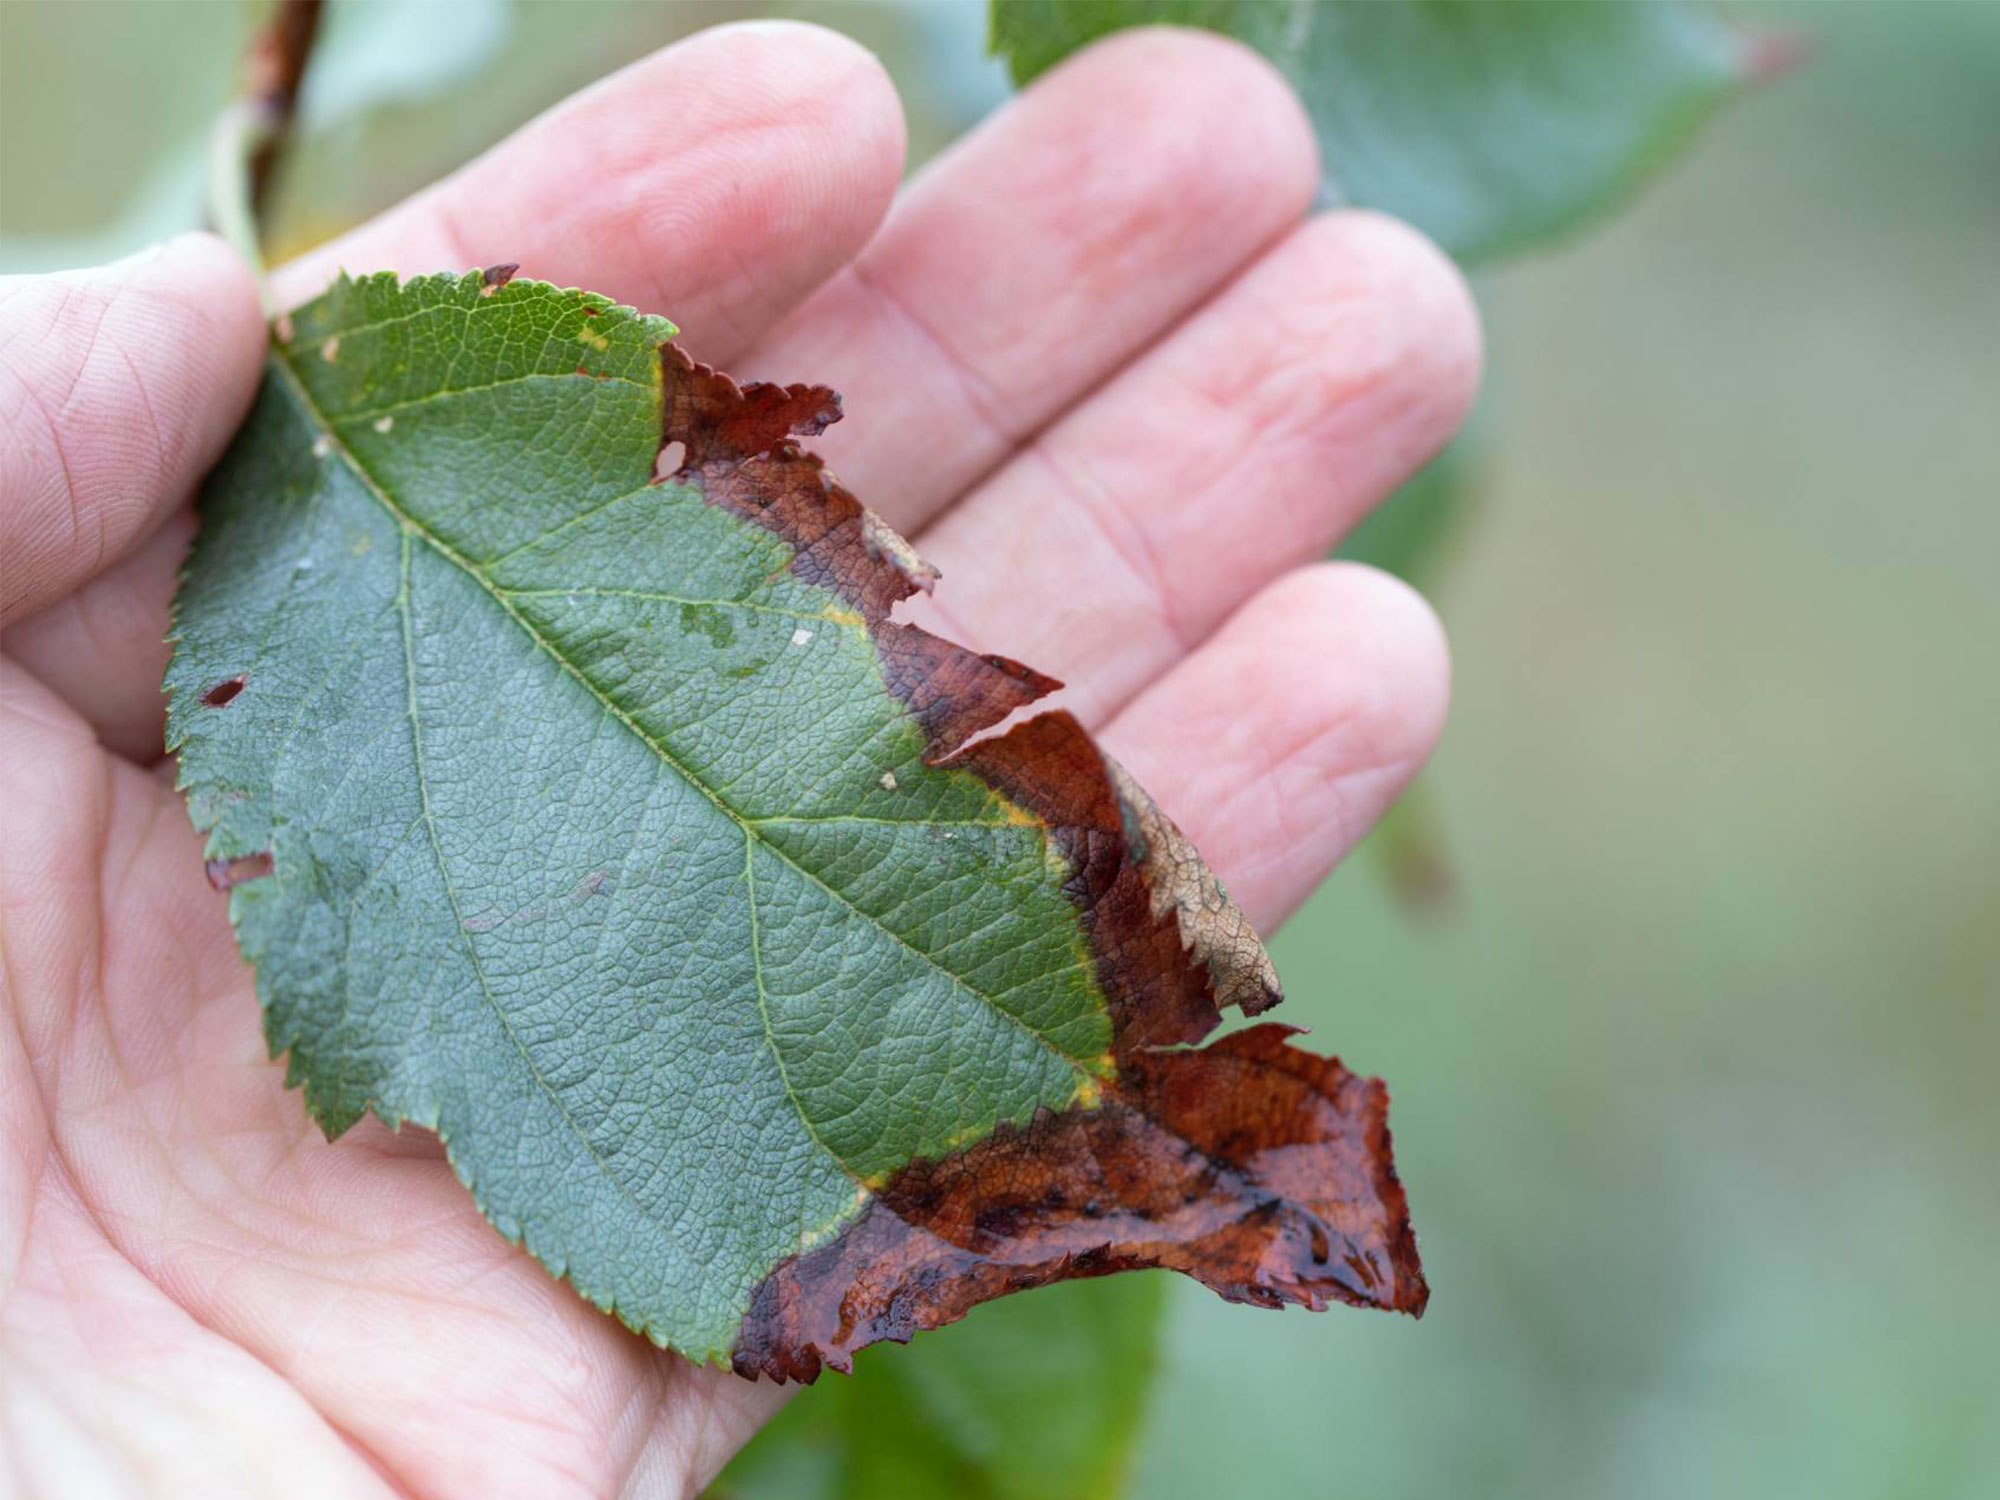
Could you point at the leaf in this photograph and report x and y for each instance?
(1490, 127)
(1037, 1398)
(605, 823)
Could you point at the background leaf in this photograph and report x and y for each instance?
(1036, 1398)
(1491, 127)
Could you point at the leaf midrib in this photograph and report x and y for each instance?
(750, 828)
(429, 820)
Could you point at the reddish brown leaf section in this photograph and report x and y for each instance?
(1262, 1170)
(953, 693)
(1159, 996)
(1259, 1170)
(740, 452)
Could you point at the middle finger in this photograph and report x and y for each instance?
(1247, 442)
(1042, 253)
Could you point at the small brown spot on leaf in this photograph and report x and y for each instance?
(224, 873)
(225, 691)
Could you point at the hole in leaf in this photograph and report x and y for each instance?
(225, 690)
(670, 461)
(224, 873)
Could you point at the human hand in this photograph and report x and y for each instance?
(1096, 364)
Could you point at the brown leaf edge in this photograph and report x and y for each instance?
(1263, 1171)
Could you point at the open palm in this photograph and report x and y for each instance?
(1097, 363)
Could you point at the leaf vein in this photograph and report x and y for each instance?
(392, 408)
(657, 596)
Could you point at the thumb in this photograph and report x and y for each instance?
(119, 386)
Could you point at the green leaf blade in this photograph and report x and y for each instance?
(1040, 1398)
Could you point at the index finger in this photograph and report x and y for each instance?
(717, 181)
(119, 386)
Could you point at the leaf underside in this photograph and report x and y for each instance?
(603, 821)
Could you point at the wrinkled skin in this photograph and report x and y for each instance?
(1097, 362)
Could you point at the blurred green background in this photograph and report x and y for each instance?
(1694, 1070)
